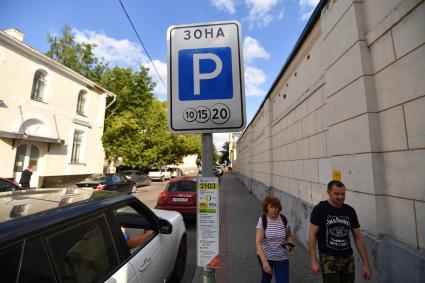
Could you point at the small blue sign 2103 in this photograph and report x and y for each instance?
(205, 74)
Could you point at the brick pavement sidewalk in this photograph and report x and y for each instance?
(239, 213)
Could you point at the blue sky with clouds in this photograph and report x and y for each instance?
(270, 29)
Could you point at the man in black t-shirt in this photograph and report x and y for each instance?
(331, 222)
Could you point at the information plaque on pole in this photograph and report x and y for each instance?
(208, 222)
(205, 78)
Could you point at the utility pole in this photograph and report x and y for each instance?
(208, 274)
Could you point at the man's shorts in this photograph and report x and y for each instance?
(337, 269)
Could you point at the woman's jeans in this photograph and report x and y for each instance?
(280, 270)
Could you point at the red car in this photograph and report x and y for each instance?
(179, 195)
(8, 185)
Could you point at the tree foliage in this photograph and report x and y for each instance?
(147, 142)
(133, 90)
(76, 56)
(224, 158)
(136, 126)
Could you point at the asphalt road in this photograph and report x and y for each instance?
(149, 195)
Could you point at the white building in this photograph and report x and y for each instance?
(233, 139)
(189, 166)
(350, 101)
(50, 116)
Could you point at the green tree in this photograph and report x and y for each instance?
(216, 155)
(133, 90)
(76, 56)
(146, 142)
(224, 157)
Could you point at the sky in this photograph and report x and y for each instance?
(270, 29)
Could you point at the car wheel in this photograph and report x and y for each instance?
(133, 189)
(180, 264)
(162, 179)
(149, 182)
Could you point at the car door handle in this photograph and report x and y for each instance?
(145, 264)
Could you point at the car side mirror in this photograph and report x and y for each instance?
(165, 227)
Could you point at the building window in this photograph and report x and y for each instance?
(76, 147)
(81, 104)
(38, 85)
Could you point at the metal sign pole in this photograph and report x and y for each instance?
(208, 274)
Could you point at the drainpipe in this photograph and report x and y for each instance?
(114, 98)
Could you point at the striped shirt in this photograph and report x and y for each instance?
(274, 238)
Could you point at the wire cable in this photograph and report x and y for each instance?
(141, 42)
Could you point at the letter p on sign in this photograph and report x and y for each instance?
(205, 74)
(197, 76)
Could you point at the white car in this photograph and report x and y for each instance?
(159, 175)
(82, 235)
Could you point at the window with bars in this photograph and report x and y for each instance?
(81, 104)
(38, 85)
(76, 147)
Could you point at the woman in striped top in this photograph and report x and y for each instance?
(274, 242)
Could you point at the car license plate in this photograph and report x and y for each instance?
(180, 199)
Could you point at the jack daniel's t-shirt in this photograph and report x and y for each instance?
(335, 225)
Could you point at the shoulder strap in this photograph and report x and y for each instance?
(284, 220)
(264, 222)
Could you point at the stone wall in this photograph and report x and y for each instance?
(351, 100)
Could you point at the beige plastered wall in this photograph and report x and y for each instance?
(352, 100)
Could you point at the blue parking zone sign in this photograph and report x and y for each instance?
(205, 74)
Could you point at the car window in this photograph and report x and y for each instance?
(6, 186)
(84, 252)
(123, 178)
(9, 262)
(109, 180)
(96, 177)
(38, 270)
(134, 225)
(182, 187)
(116, 179)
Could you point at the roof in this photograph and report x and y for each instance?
(28, 50)
(22, 136)
(22, 212)
(184, 179)
(315, 16)
(130, 170)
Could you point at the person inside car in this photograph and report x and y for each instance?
(137, 240)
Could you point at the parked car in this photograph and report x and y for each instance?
(8, 185)
(159, 175)
(218, 171)
(179, 195)
(76, 235)
(108, 182)
(175, 172)
(138, 177)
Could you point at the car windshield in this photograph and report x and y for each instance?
(96, 177)
(6, 186)
(188, 186)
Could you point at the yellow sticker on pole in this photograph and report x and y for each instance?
(208, 228)
(336, 175)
